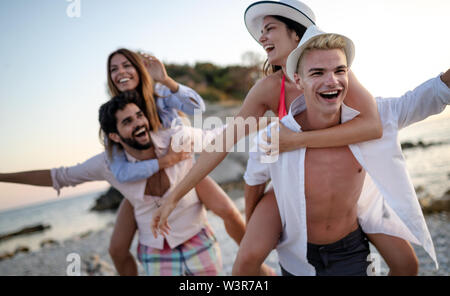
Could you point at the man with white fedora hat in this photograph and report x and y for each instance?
(312, 33)
(340, 192)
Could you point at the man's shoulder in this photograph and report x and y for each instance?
(384, 106)
(99, 161)
(101, 155)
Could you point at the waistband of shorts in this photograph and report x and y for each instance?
(350, 239)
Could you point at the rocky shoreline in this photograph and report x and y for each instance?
(92, 249)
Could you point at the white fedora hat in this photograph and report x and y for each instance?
(312, 33)
(291, 9)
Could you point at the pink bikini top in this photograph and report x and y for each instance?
(282, 104)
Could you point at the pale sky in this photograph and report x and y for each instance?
(53, 76)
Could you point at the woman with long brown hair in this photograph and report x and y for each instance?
(162, 99)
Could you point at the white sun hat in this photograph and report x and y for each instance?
(312, 33)
(291, 9)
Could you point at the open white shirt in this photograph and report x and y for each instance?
(189, 216)
(388, 202)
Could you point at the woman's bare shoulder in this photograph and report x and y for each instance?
(262, 96)
(271, 80)
(267, 87)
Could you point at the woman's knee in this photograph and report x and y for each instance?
(247, 263)
(251, 255)
(408, 265)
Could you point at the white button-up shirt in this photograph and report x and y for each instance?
(388, 202)
(189, 216)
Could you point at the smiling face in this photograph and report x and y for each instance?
(324, 79)
(277, 40)
(123, 74)
(132, 128)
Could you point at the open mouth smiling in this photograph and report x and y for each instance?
(124, 80)
(330, 95)
(269, 48)
(140, 132)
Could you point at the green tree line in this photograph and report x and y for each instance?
(217, 83)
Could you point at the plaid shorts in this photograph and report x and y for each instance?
(198, 256)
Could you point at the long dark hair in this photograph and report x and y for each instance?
(291, 26)
(145, 88)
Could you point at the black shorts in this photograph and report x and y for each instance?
(346, 257)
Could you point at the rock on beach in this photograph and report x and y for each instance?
(24, 231)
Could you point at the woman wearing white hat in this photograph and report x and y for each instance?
(278, 26)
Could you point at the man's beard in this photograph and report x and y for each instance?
(135, 144)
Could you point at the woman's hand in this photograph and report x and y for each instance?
(155, 67)
(173, 157)
(286, 138)
(158, 72)
(159, 222)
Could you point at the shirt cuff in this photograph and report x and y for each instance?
(185, 96)
(55, 184)
(153, 165)
(252, 181)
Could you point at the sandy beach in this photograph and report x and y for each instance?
(93, 251)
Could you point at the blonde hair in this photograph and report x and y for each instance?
(323, 42)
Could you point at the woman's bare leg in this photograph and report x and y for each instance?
(121, 239)
(215, 199)
(398, 254)
(261, 237)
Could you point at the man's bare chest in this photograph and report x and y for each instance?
(332, 172)
(157, 184)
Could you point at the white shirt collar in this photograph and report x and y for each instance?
(299, 105)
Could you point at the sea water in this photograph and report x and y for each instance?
(67, 217)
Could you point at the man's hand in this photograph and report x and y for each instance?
(160, 217)
(446, 78)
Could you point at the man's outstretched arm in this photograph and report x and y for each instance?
(93, 169)
(37, 178)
